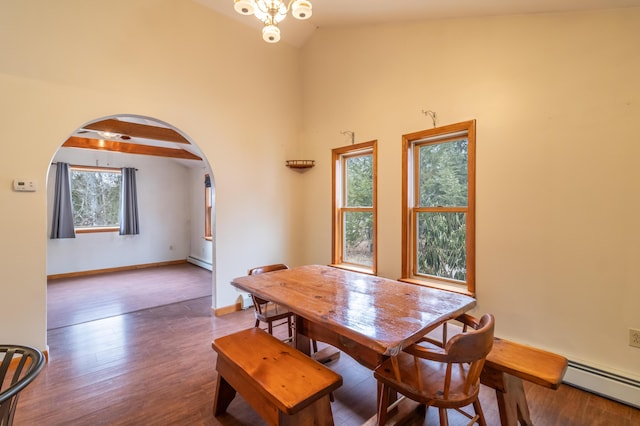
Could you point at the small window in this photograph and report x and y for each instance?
(95, 196)
(207, 207)
(354, 207)
(439, 207)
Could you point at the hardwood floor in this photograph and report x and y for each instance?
(87, 298)
(155, 366)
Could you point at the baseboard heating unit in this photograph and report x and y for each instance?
(201, 263)
(609, 385)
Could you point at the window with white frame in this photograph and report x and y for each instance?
(95, 197)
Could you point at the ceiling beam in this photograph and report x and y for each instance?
(128, 148)
(136, 130)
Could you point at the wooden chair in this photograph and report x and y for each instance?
(19, 366)
(444, 377)
(506, 367)
(268, 312)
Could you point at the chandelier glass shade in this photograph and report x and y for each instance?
(272, 12)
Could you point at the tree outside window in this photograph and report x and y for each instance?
(354, 207)
(95, 197)
(439, 207)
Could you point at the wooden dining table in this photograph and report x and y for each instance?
(368, 317)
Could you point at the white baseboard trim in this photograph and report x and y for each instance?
(608, 385)
(201, 263)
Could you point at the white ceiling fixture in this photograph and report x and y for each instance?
(272, 12)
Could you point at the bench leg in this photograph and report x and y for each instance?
(316, 414)
(512, 403)
(224, 395)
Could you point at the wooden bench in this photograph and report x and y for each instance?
(507, 365)
(283, 385)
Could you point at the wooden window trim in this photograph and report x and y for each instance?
(96, 169)
(409, 194)
(97, 229)
(208, 206)
(338, 155)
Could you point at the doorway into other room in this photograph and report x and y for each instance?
(99, 272)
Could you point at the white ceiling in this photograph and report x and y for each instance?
(337, 13)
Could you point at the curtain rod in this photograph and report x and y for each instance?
(53, 163)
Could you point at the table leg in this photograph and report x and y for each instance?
(300, 341)
(303, 342)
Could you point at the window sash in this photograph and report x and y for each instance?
(417, 169)
(343, 254)
(346, 201)
(416, 263)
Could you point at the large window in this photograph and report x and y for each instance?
(354, 207)
(439, 207)
(95, 196)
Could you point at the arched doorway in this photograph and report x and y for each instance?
(170, 171)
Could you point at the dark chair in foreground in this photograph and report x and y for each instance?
(19, 366)
(444, 377)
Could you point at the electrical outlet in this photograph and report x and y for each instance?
(634, 337)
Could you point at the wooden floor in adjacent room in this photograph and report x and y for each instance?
(155, 366)
(90, 297)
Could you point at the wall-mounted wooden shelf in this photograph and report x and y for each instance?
(300, 164)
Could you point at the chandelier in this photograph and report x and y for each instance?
(272, 12)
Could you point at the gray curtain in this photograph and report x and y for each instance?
(62, 224)
(129, 203)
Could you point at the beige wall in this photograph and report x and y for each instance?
(67, 62)
(557, 103)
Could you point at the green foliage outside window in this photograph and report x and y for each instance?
(442, 245)
(358, 226)
(441, 235)
(95, 197)
(359, 175)
(358, 244)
